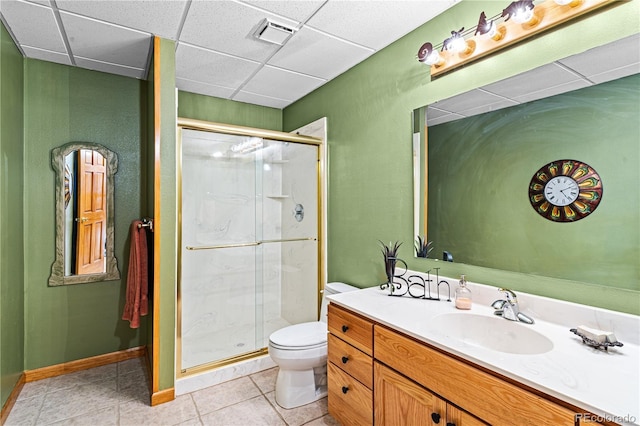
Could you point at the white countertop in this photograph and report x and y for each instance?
(606, 383)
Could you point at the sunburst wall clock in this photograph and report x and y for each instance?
(565, 190)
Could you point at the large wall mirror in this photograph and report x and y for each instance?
(477, 152)
(84, 188)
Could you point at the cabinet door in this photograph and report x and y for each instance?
(457, 417)
(399, 401)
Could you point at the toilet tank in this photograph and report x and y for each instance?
(333, 288)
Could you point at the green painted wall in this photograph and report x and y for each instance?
(369, 110)
(200, 107)
(11, 216)
(64, 104)
(479, 172)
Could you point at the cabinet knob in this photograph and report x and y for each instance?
(451, 424)
(435, 417)
(344, 328)
(345, 359)
(345, 389)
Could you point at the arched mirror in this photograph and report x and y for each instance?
(84, 214)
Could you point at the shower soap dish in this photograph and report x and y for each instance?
(597, 338)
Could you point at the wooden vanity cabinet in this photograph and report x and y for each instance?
(485, 395)
(350, 367)
(379, 376)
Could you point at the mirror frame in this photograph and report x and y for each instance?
(58, 155)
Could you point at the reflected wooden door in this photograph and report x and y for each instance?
(92, 217)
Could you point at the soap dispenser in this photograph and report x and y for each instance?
(463, 295)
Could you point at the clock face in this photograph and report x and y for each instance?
(561, 191)
(565, 191)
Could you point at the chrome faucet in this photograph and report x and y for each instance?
(508, 308)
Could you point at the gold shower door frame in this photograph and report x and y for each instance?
(207, 126)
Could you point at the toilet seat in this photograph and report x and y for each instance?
(307, 335)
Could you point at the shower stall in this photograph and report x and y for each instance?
(249, 241)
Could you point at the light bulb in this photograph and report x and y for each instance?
(433, 58)
(492, 30)
(457, 45)
(523, 15)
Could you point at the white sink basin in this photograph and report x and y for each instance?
(493, 333)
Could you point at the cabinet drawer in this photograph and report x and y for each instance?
(351, 328)
(351, 360)
(474, 390)
(350, 402)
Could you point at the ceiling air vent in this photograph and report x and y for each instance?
(273, 32)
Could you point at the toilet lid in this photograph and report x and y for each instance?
(306, 334)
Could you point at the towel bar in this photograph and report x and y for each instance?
(146, 223)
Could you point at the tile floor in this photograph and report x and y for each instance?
(117, 394)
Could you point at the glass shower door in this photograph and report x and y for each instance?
(249, 250)
(289, 226)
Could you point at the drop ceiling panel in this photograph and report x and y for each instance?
(433, 112)
(46, 55)
(532, 81)
(204, 89)
(283, 84)
(601, 59)
(616, 73)
(25, 17)
(375, 24)
(320, 55)
(161, 18)
(442, 119)
(467, 101)
(228, 27)
(210, 67)
(110, 68)
(292, 9)
(552, 91)
(104, 42)
(494, 106)
(253, 98)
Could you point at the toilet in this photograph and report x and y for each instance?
(300, 350)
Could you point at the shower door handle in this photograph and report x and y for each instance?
(251, 244)
(221, 246)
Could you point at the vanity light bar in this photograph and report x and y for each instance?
(520, 20)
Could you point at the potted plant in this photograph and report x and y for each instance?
(423, 247)
(390, 253)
